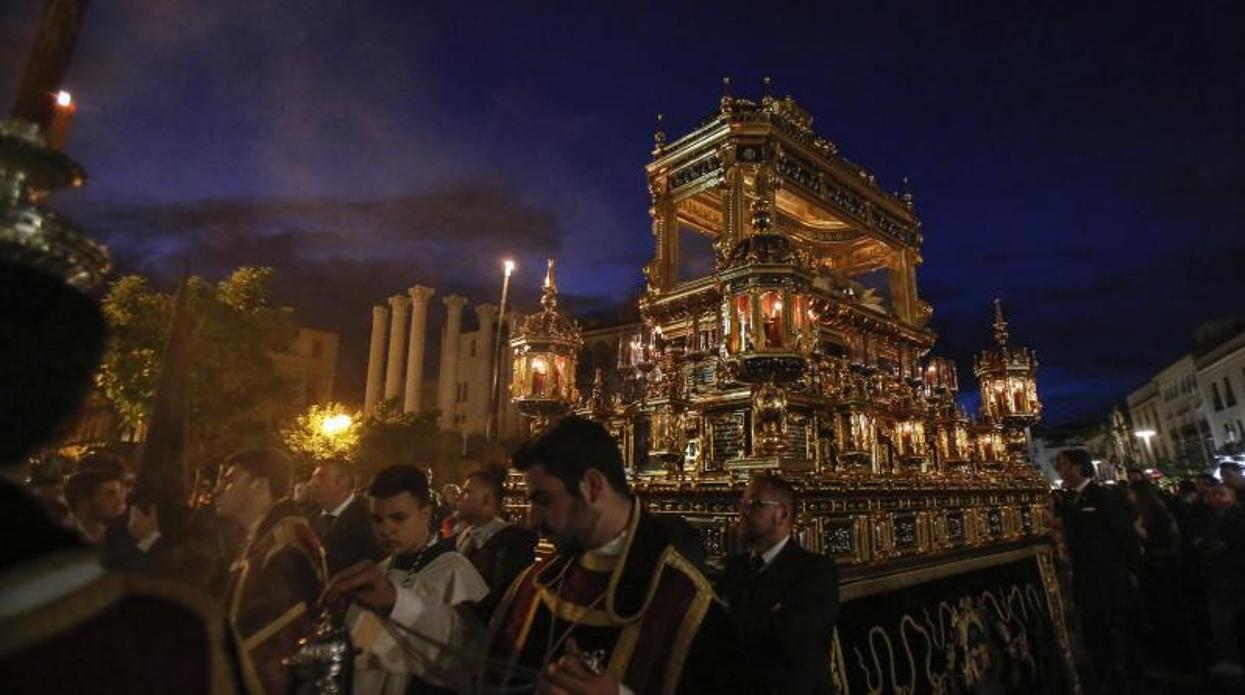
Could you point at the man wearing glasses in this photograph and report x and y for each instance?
(783, 599)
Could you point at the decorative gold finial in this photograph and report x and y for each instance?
(907, 193)
(549, 294)
(763, 204)
(766, 95)
(726, 87)
(1000, 325)
(659, 136)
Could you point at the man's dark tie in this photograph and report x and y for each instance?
(323, 522)
(755, 564)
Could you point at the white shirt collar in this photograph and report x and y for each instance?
(341, 507)
(482, 533)
(1083, 485)
(768, 556)
(612, 548)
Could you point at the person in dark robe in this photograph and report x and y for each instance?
(617, 609)
(276, 583)
(783, 599)
(498, 549)
(342, 517)
(69, 625)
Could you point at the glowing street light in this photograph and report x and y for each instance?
(492, 424)
(336, 424)
(63, 98)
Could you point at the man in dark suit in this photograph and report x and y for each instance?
(499, 549)
(1104, 549)
(342, 522)
(783, 599)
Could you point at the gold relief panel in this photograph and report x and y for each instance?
(881, 536)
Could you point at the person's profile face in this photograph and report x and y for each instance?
(1221, 497)
(471, 501)
(108, 502)
(234, 496)
(759, 512)
(558, 514)
(400, 523)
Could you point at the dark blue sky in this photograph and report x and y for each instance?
(1083, 161)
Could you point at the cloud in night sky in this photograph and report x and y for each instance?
(1086, 164)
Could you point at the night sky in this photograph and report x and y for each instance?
(1084, 163)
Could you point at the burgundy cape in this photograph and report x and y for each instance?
(652, 616)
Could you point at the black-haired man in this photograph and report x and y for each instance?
(97, 500)
(499, 549)
(418, 565)
(1104, 549)
(617, 609)
(783, 599)
(277, 582)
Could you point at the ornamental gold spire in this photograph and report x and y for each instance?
(1000, 325)
(549, 291)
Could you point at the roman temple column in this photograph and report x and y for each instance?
(412, 400)
(376, 358)
(485, 358)
(399, 306)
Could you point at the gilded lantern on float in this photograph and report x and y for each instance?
(545, 349)
(989, 444)
(1007, 377)
(769, 326)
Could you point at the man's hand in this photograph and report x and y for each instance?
(569, 676)
(366, 583)
(142, 525)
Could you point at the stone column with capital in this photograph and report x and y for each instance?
(376, 358)
(399, 306)
(412, 397)
(447, 379)
(487, 315)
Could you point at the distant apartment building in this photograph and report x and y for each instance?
(309, 364)
(1221, 383)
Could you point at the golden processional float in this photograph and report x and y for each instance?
(806, 352)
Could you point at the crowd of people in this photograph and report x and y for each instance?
(1157, 572)
(105, 586)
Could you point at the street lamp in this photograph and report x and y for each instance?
(334, 425)
(491, 427)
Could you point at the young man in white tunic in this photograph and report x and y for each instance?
(392, 661)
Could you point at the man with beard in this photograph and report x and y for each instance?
(783, 599)
(276, 583)
(617, 609)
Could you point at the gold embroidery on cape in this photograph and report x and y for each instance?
(624, 648)
(683, 641)
(284, 535)
(499, 618)
(261, 635)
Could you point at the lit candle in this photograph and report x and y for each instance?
(62, 118)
